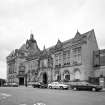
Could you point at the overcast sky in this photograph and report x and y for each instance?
(48, 20)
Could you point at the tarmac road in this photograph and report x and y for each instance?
(31, 96)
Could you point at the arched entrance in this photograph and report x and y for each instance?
(58, 77)
(21, 80)
(45, 78)
(66, 75)
(21, 74)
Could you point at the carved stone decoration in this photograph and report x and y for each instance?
(66, 72)
(58, 46)
(21, 67)
(77, 35)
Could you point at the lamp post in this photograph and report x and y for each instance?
(26, 79)
(0, 82)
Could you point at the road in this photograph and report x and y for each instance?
(31, 96)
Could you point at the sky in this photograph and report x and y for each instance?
(48, 20)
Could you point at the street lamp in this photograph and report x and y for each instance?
(26, 79)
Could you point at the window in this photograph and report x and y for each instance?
(67, 77)
(44, 63)
(77, 74)
(21, 70)
(66, 57)
(77, 55)
(58, 59)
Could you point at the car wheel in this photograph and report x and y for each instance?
(93, 89)
(40, 86)
(33, 86)
(74, 88)
(61, 87)
(50, 87)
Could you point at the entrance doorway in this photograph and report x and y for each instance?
(21, 81)
(67, 77)
(45, 78)
(58, 77)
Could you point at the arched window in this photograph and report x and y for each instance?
(77, 74)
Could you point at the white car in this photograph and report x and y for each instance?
(57, 85)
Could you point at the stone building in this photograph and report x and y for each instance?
(99, 66)
(65, 61)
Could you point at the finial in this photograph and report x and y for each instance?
(59, 41)
(31, 36)
(44, 47)
(77, 29)
(78, 32)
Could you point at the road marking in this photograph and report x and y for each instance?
(3, 97)
(5, 94)
(39, 103)
(22, 104)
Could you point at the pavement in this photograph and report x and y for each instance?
(36, 96)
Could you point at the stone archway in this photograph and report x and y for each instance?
(45, 78)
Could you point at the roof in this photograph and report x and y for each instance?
(23, 47)
(71, 41)
(57, 47)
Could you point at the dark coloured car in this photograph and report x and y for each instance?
(39, 85)
(42, 85)
(36, 85)
(85, 86)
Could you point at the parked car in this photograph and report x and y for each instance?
(85, 86)
(39, 85)
(10, 85)
(6, 85)
(13, 85)
(36, 85)
(57, 85)
(42, 85)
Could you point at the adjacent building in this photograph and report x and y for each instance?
(2, 82)
(65, 61)
(99, 66)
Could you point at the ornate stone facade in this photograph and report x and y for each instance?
(65, 61)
